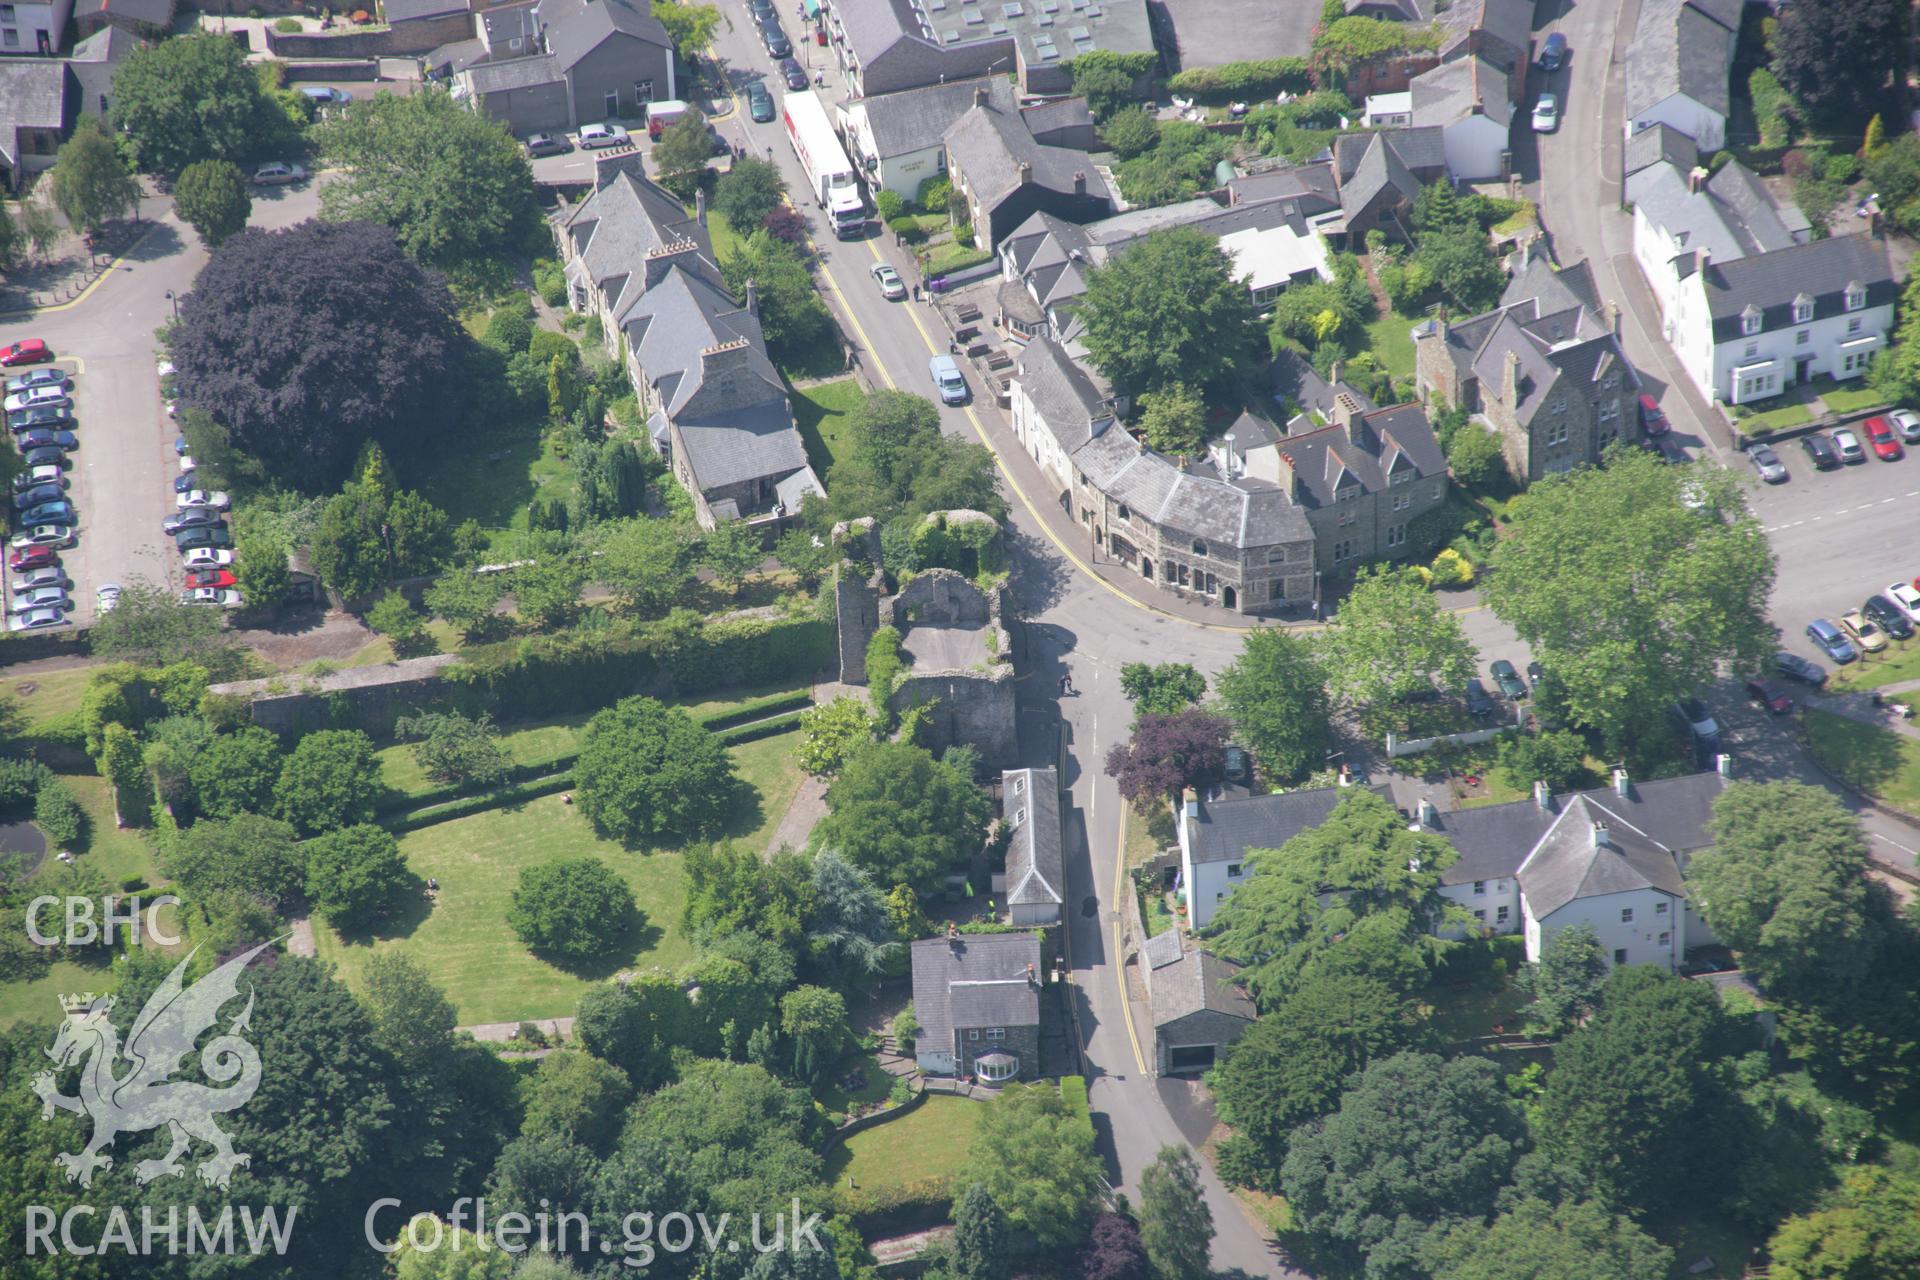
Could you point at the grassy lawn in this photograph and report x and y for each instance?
(821, 413)
(117, 855)
(1878, 761)
(1787, 415)
(1848, 397)
(492, 477)
(954, 257)
(1147, 836)
(1390, 340)
(378, 650)
(38, 999)
(1522, 218)
(48, 694)
(1462, 1015)
(400, 771)
(1900, 660)
(725, 242)
(930, 1142)
(464, 941)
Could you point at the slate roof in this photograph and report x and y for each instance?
(672, 323)
(1062, 392)
(33, 95)
(1509, 21)
(1681, 47)
(1424, 147)
(1057, 115)
(576, 28)
(506, 22)
(988, 145)
(515, 73)
(1292, 378)
(1493, 841)
(1589, 852)
(1380, 168)
(1453, 91)
(94, 61)
(1162, 948)
(1552, 288)
(978, 980)
(1698, 220)
(152, 13)
(1198, 982)
(1662, 142)
(1391, 440)
(415, 10)
(1822, 269)
(916, 119)
(1226, 830)
(1240, 513)
(1767, 222)
(1555, 338)
(1034, 870)
(617, 226)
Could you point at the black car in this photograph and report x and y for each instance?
(206, 535)
(1554, 52)
(46, 415)
(759, 102)
(184, 481)
(778, 46)
(762, 10)
(1820, 452)
(45, 437)
(38, 494)
(1508, 679)
(1533, 673)
(1478, 702)
(44, 455)
(795, 74)
(1892, 618)
(1792, 664)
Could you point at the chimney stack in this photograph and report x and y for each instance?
(753, 299)
(1613, 317)
(1541, 796)
(1510, 388)
(1428, 815)
(700, 207)
(1333, 377)
(1622, 785)
(1079, 182)
(1228, 442)
(980, 95)
(1192, 799)
(1601, 840)
(1026, 174)
(1696, 179)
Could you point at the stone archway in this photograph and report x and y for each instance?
(1229, 597)
(1146, 568)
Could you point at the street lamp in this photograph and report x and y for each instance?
(174, 303)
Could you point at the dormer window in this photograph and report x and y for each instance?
(1803, 309)
(1750, 321)
(1856, 295)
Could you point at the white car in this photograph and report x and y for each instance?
(36, 397)
(1904, 595)
(34, 579)
(187, 463)
(278, 173)
(38, 620)
(207, 558)
(107, 596)
(593, 136)
(41, 598)
(44, 535)
(1546, 114)
(225, 597)
(201, 498)
(46, 473)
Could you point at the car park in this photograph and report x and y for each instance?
(210, 578)
(1553, 52)
(1907, 596)
(41, 598)
(192, 518)
(25, 499)
(1770, 694)
(206, 557)
(205, 535)
(1847, 445)
(38, 620)
(595, 136)
(45, 438)
(215, 501)
(892, 287)
(46, 415)
(37, 397)
(1652, 421)
(1881, 439)
(48, 377)
(279, 173)
(225, 597)
(59, 511)
(1508, 679)
(795, 74)
(107, 596)
(1699, 721)
(1864, 633)
(1767, 463)
(948, 380)
(1889, 617)
(759, 102)
(1546, 113)
(51, 575)
(25, 351)
(1820, 452)
(1907, 423)
(548, 144)
(1798, 668)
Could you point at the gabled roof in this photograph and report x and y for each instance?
(1702, 221)
(1508, 21)
(1031, 801)
(988, 145)
(1549, 287)
(1455, 91)
(415, 10)
(917, 119)
(33, 95)
(1768, 222)
(617, 226)
(1591, 851)
(669, 327)
(977, 980)
(1821, 269)
(1064, 394)
(1239, 513)
(1682, 47)
(515, 73)
(1419, 148)
(1661, 143)
(575, 28)
(1197, 982)
(1391, 439)
(1227, 830)
(1379, 169)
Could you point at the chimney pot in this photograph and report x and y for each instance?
(1600, 838)
(1079, 183)
(1621, 783)
(980, 95)
(1696, 179)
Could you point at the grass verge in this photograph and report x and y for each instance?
(821, 412)
(1874, 759)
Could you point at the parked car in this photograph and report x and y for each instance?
(48, 377)
(1553, 52)
(1478, 701)
(105, 597)
(206, 557)
(187, 463)
(41, 598)
(1890, 617)
(1508, 679)
(225, 597)
(795, 74)
(39, 493)
(324, 95)
(759, 102)
(1546, 113)
(46, 415)
(191, 518)
(1652, 421)
(25, 351)
(38, 620)
(50, 575)
(1820, 452)
(1864, 633)
(548, 144)
(44, 438)
(1880, 437)
(206, 535)
(1847, 445)
(59, 511)
(778, 46)
(1799, 668)
(948, 379)
(1907, 596)
(211, 578)
(28, 558)
(46, 535)
(1907, 423)
(279, 173)
(595, 136)
(180, 447)
(43, 454)
(1767, 463)
(37, 397)
(185, 481)
(192, 498)
(33, 477)
(892, 287)
(1699, 721)
(1770, 694)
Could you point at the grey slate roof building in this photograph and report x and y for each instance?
(1198, 1010)
(1726, 216)
(1227, 830)
(1660, 144)
(558, 64)
(1453, 91)
(1682, 53)
(38, 100)
(1007, 175)
(1036, 884)
(1380, 175)
(398, 11)
(975, 995)
(1822, 270)
(885, 46)
(93, 62)
(576, 28)
(138, 17)
(1590, 853)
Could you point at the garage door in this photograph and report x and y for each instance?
(1193, 1057)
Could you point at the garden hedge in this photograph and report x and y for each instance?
(1244, 79)
(470, 805)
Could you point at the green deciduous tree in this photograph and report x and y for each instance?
(394, 617)
(1161, 689)
(896, 465)
(1655, 577)
(573, 908)
(1357, 894)
(356, 876)
(237, 773)
(1175, 1224)
(1169, 310)
(1555, 757)
(260, 571)
(211, 195)
(1418, 1140)
(450, 747)
(1565, 984)
(330, 780)
(814, 1021)
(734, 890)
(451, 182)
(748, 192)
(1475, 458)
(578, 1096)
(747, 1140)
(689, 26)
(453, 1254)
(547, 591)
(1869, 1227)
(150, 626)
(635, 1025)
(1392, 640)
(1130, 132)
(830, 733)
(680, 155)
(647, 772)
(1035, 1157)
(980, 1249)
(1573, 1240)
(412, 1018)
(730, 552)
(904, 817)
(246, 854)
(647, 563)
(191, 99)
(1174, 419)
(791, 312)
(1105, 79)
(466, 599)
(1276, 692)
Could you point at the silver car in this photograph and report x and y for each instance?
(1907, 423)
(1767, 463)
(36, 579)
(41, 598)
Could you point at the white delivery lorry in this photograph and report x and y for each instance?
(829, 172)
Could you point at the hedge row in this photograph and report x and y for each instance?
(469, 805)
(760, 729)
(757, 708)
(1244, 79)
(407, 801)
(898, 1205)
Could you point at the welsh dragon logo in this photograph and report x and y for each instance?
(145, 1098)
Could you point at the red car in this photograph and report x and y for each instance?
(25, 351)
(211, 578)
(1770, 694)
(1652, 421)
(1886, 445)
(24, 558)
